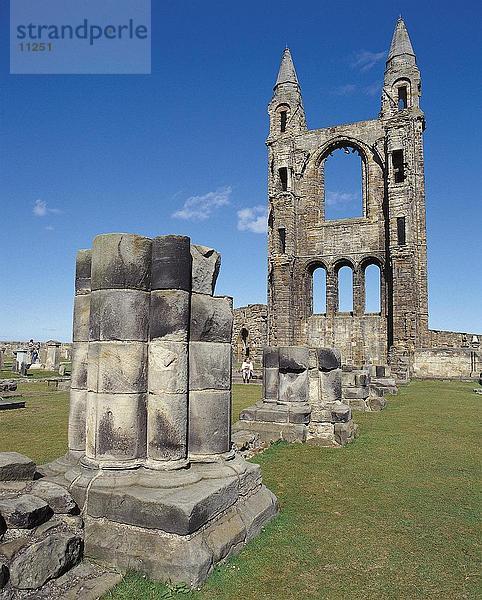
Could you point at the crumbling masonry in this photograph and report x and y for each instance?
(391, 232)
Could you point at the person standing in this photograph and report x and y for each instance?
(247, 369)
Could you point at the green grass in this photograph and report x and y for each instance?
(393, 515)
(34, 374)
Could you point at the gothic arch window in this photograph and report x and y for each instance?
(344, 273)
(373, 288)
(318, 290)
(402, 93)
(343, 173)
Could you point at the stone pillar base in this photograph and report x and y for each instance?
(175, 525)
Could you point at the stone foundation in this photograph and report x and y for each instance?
(301, 399)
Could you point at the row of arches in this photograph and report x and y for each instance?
(347, 289)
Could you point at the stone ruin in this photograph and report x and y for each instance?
(301, 400)
(150, 462)
(364, 389)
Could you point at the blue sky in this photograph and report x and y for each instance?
(182, 150)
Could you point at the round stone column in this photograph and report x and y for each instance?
(117, 358)
(80, 346)
(168, 380)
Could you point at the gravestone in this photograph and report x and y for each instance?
(52, 360)
(150, 461)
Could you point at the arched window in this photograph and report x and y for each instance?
(319, 291)
(345, 289)
(343, 184)
(372, 289)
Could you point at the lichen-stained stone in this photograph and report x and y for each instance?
(270, 357)
(206, 263)
(56, 496)
(45, 560)
(119, 315)
(82, 271)
(121, 261)
(167, 426)
(168, 367)
(169, 315)
(330, 385)
(16, 467)
(117, 367)
(119, 426)
(329, 359)
(211, 318)
(25, 511)
(81, 319)
(79, 365)
(171, 263)
(294, 358)
(209, 422)
(77, 412)
(293, 387)
(209, 366)
(270, 384)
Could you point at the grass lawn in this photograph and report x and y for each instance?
(393, 515)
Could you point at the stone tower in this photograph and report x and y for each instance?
(390, 233)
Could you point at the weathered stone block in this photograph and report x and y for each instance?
(169, 315)
(209, 366)
(209, 422)
(340, 413)
(168, 367)
(77, 415)
(206, 263)
(271, 383)
(362, 379)
(167, 426)
(16, 467)
(119, 315)
(56, 496)
(81, 319)
(330, 385)
(117, 367)
(299, 413)
(119, 432)
(45, 560)
(329, 359)
(79, 365)
(82, 271)
(25, 511)
(121, 261)
(229, 531)
(270, 357)
(272, 432)
(356, 392)
(293, 387)
(344, 432)
(294, 358)
(256, 510)
(171, 263)
(211, 318)
(173, 558)
(272, 413)
(249, 414)
(3, 527)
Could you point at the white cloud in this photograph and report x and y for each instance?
(345, 90)
(49, 228)
(41, 209)
(366, 60)
(199, 208)
(340, 198)
(373, 89)
(254, 219)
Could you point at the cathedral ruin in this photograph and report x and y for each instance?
(390, 234)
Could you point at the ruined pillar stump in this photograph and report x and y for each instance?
(150, 460)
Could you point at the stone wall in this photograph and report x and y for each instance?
(447, 363)
(250, 331)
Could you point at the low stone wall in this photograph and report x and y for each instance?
(447, 363)
(250, 330)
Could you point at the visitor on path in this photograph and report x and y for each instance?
(247, 370)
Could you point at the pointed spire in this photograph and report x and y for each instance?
(401, 43)
(287, 73)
